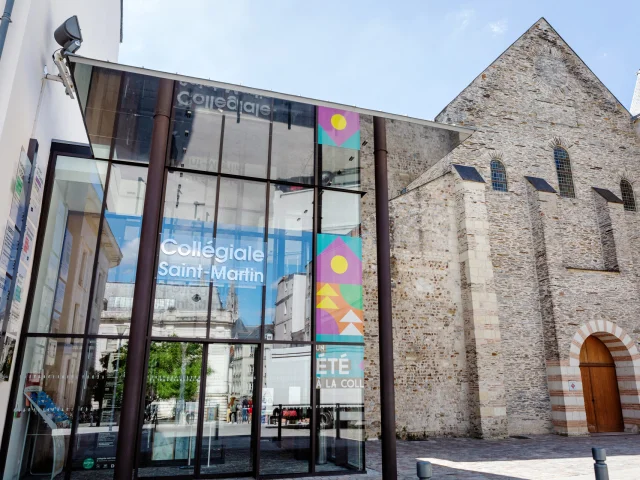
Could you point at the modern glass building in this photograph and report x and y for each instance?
(196, 304)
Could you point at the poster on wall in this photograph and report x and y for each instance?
(17, 251)
(339, 315)
(20, 190)
(35, 203)
(5, 285)
(6, 357)
(28, 243)
(9, 247)
(339, 366)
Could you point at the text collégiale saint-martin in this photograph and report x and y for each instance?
(217, 271)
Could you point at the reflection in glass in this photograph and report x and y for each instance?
(195, 139)
(292, 143)
(285, 429)
(289, 283)
(186, 256)
(239, 273)
(43, 412)
(119, 113)
(229, 400)
(340, 407)
(61, 300)
(245, 149)
(119, 243)
(340, 213)
(99, 409)
(340, 167)
(168, 441)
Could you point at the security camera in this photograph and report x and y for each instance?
(69, 36)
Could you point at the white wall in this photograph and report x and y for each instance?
(31, 107)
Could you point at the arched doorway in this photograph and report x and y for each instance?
(600, 387)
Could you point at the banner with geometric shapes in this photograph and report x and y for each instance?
(338, 128)
(339, 315)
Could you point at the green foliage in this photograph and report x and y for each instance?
(165, 370)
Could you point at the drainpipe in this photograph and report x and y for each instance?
(4, 23)
(385, 316)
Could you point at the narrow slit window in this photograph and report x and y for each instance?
(563, 168)
(628, 198)
(498, 176)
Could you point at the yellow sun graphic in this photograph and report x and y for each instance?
(339, 264)
(338, 121)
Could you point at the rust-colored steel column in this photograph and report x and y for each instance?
(385, 326)
(145, 277)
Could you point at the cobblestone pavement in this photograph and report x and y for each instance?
(539, 457)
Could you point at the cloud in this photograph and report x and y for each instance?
(463, 18)
(498, 27)
(459, 20)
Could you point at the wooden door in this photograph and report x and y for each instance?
(600, 387)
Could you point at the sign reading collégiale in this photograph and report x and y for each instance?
(188, 262)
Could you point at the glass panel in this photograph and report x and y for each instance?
(43, 412)
(340, 407)
(238, 278)
(195, 139)
(229, 400)
(292, 143)
(339, 147)
(168, 441)
(119, 114)
(61, 301)
(289, 283)
(135, 120)
(340, 167)
(186, 256)
(339, 309)
(285, 434)
(119, 243)
(340, 213)
(99, 413)
(245, 149)
(101, 109)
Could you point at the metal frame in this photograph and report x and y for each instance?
(261, 341)
(140, 333)
(464, 132)
(57, 149)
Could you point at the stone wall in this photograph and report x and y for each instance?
(553, 258)
(430, 361)
(412, 149)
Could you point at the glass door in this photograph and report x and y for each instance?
(229, 400)
(179, 403)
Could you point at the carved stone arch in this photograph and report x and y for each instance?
(626, 357)
(559, 142)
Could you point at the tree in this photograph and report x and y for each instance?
(169, 362)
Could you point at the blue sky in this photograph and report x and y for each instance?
(429, 50)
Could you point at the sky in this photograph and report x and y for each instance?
(408, 57)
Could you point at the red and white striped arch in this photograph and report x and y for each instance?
(565, 382)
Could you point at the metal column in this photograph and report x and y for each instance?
(385, 327)
(145, 278)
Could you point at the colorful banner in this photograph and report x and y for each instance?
(338, 128)
(339, 315)
(338, 367)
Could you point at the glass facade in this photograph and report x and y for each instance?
(254, 355)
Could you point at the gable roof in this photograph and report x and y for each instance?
(541, 21)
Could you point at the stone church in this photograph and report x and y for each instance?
(516, 259)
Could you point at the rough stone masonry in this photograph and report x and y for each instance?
(495, 292)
